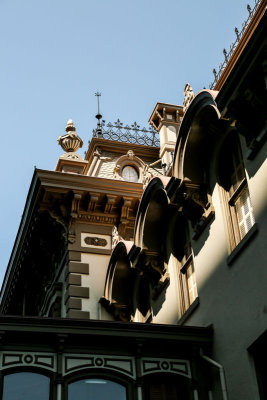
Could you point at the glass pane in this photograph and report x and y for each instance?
(26, 386)
(191, 283)
(244, 213)
(96, 389)
(130, 174)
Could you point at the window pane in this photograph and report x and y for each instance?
(26, 386)
(244, 213)
(191, 283)
(96, 389)
(130, 174)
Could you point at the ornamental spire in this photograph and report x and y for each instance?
(98, 116)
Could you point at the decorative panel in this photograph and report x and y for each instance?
(155, 365)
(13, 359)
(124, 365)
(95, 241)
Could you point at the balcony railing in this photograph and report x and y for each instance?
(227, 55)
(125, 133)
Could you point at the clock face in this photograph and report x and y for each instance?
(130, 174)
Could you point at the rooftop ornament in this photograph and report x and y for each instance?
(125, 133)
(188, 96)
(70, 161)
(228, 54)
(98, 116)
(70, 142)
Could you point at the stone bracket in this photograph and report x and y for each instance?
(75, 205)
(93, 201)
(127, 201)
(110, 201)
(192, 200)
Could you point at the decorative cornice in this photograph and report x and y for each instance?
(58, 182)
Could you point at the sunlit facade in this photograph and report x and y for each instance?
(139, 271)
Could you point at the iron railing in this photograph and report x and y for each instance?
(125, 133)
(228, 54)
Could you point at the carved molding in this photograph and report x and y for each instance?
(154, 365)
(123, 365)
(100, 219)
(12, 359)
(95, 241)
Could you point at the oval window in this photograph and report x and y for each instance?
(96, 389)
(130, 174)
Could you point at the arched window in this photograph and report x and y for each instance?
(26, 386)
(130, 174)
(129, 168)
(96, 389)
(232, 177)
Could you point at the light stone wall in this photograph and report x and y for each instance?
(168, 314)
(98, 264)
(106, 167)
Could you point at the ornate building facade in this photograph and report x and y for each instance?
(139, 271)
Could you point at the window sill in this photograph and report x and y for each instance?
(241, 245)
(189, 311)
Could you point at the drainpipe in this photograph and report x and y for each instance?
(221, 370)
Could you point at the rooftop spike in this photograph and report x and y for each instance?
(98, 116)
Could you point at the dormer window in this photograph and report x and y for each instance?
(130, 174)
(129, 168)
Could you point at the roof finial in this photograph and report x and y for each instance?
(70, 126)
(70, 142)
(98, 116)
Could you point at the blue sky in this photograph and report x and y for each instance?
(55, 54)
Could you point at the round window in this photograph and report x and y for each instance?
(130, 174)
